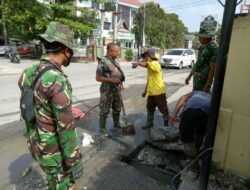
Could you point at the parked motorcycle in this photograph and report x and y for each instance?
(13, 55)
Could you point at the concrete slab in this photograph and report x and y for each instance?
(106, 173)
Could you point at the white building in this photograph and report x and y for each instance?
(104, 33)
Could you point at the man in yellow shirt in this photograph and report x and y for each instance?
(155, 89)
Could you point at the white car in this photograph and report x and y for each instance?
(178, 58)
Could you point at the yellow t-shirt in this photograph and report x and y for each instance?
(155, 85)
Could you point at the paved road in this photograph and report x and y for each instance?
(81, 76)
(15, 156)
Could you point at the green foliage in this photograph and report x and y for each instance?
(129, 55)
(161, 29)
(218, 33)
(25, 19)
(66, 14)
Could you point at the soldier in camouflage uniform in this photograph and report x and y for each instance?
(52, 138)
(204, 69)
(111, 77)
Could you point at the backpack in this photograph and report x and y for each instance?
(27, 98)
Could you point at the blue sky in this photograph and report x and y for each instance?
(191, 11)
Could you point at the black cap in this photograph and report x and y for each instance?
(150, 52)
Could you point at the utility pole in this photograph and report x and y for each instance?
(143, 30)
(102, 20)
(115, 13)
(4, 25)
(226, 30)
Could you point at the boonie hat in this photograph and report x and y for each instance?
(58, 32)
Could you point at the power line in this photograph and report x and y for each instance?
(189, 3)
(190, 6)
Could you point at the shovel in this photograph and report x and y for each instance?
(128, 128)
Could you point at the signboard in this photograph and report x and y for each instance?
(96, 32)
(189, 37)
(245, 6)
(126, 36)
(80, 52)
(209, 24)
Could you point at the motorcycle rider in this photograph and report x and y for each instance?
(13, 54)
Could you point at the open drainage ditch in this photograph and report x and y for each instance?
(161, 165)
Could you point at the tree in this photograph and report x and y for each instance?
(138, 26)
(25, 19)
(174, 31)
(66, 14)
(161, 29)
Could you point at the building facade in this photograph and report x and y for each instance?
(112, 16)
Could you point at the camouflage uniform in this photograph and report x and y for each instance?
(110, 93)
(207, 54)
(52, 138)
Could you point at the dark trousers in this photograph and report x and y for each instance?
(160, 101)
(193, 126)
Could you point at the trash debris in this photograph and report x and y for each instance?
(157, 158)
(87, 139)
(226, 180)
(152, 156)
(168, 134)
(177, 146)
(189, 181)
(26, 172)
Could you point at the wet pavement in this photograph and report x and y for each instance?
(104, 150)
(120, 162)
(105, 167)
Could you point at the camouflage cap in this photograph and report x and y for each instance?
(208, 27)
(57, 32)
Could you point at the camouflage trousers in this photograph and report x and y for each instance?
(57, 178)
(109, 98)
(199, 82)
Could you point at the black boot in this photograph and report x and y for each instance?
(102, 122)
(150, 120)
(166, 123)
(116, 120)
(165, 120)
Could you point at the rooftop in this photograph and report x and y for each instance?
(131, 2)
